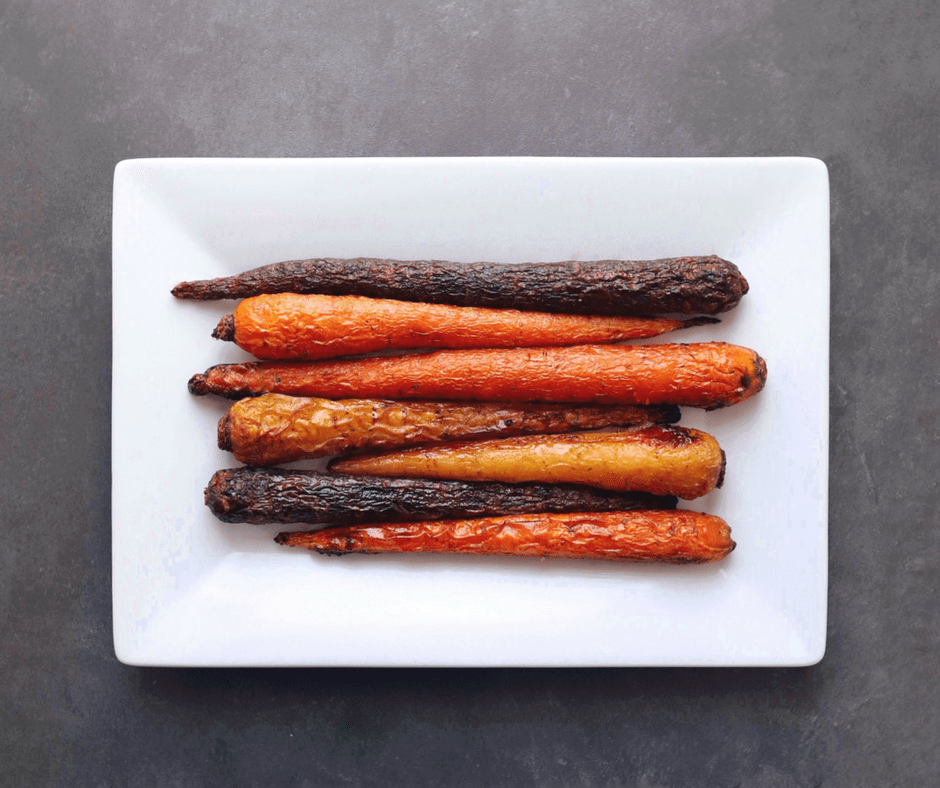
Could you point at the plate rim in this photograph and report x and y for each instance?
(126, 654)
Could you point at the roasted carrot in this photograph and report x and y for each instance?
(291, 326)
(654, 459)
(685, 285)
(275, 495)
(705, 375)
(675, 537)
(275, 428)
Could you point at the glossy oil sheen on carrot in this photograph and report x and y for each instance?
(291, 326)
(678, 537)
(657, 460)
(706, 375)
(277, 428)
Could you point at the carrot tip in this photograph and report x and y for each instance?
(224, 435)
(760, 373)
(672, 414)
(225, 330)
(198, 386)
(701, 321)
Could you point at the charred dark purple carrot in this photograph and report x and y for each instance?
(276, 495)
(683, 285)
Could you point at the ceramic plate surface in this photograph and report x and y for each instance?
(190, 590)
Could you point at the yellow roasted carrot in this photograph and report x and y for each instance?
(653, 459)
(276, 428)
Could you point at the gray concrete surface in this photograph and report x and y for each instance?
(84, 85)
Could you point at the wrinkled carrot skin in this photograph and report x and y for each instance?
(686, 285)
(654, 459)
(705, 375)
(310, 327)
(275, 428)
(277, 495)
(675, 537)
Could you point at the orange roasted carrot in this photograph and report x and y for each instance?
(676, 537)
(291, 326)
(654, 459)
(704, 375)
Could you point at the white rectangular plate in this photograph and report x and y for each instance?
(190, 590)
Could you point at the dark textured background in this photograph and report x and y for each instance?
(83, 86)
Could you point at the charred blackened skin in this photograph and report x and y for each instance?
(272, 495)
(760, 375)
(200, 386)
(226, 329)
(224, 433)
(682, 285)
